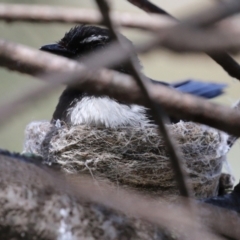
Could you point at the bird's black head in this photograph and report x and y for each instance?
(82, 40)
(79, 41)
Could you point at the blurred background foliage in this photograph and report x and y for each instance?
(159, 64)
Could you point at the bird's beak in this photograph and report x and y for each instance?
(57, 49)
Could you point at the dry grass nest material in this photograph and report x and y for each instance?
(133, 157)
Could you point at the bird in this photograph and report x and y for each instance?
(76, 107)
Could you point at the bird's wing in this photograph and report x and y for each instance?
(201, 89)
(197, 88)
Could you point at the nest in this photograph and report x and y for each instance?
(133, 157)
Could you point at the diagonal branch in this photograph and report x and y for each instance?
(157, 111)
(120, 86)
(203, 20)
(149, 7)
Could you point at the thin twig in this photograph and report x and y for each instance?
(120, 86)
(233, 138)
(149, 7)
(210, 17)
(157, 111)
(197, 40)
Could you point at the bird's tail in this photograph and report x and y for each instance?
(201, 89)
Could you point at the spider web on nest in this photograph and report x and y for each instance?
(132, 157)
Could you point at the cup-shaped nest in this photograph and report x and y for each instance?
(133, 158)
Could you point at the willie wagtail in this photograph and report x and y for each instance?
(78, 107)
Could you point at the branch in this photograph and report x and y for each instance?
(82, 194)
(207, 18)
(213, 41)
(157, 111)
(232, 138)
(185, 39)
(44, 14)
(120, 86)
(161, 212)
(148, 7)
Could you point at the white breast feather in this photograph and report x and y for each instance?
(106, 112)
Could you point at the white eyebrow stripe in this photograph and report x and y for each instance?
(94, 38)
